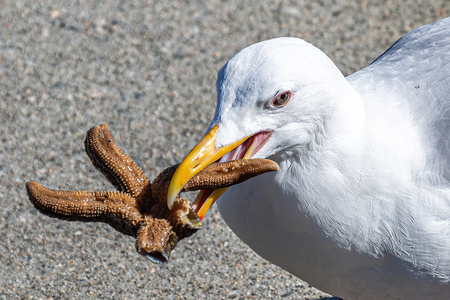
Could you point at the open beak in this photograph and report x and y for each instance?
(206, 153)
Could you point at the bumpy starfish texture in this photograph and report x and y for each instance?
(139, 207)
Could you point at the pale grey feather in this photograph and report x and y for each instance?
(415, 72)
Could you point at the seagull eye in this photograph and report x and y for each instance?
(281, 99)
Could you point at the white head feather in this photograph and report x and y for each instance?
(254, 76)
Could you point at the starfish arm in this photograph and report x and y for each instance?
(156, 239)
(113, 163)
(214, 176)
(220, 175)
(115, 208)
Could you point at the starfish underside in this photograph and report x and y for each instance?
(139, 208)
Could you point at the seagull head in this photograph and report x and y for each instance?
(272, 98)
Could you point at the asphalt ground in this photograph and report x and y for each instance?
(148, 70)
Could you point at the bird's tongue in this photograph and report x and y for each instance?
(244, 151)
(248, 148)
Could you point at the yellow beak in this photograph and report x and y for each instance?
(203, 154)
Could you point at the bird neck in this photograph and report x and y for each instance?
(327, 171)
(352, 177)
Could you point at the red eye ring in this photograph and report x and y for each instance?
(281, 99)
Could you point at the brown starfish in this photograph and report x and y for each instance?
(139, 208)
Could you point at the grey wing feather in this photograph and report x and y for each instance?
(415, 72)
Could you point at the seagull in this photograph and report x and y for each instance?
(360, 207)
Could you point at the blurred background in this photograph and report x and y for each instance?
(148, 70)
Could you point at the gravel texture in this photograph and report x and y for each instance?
(147, 69)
